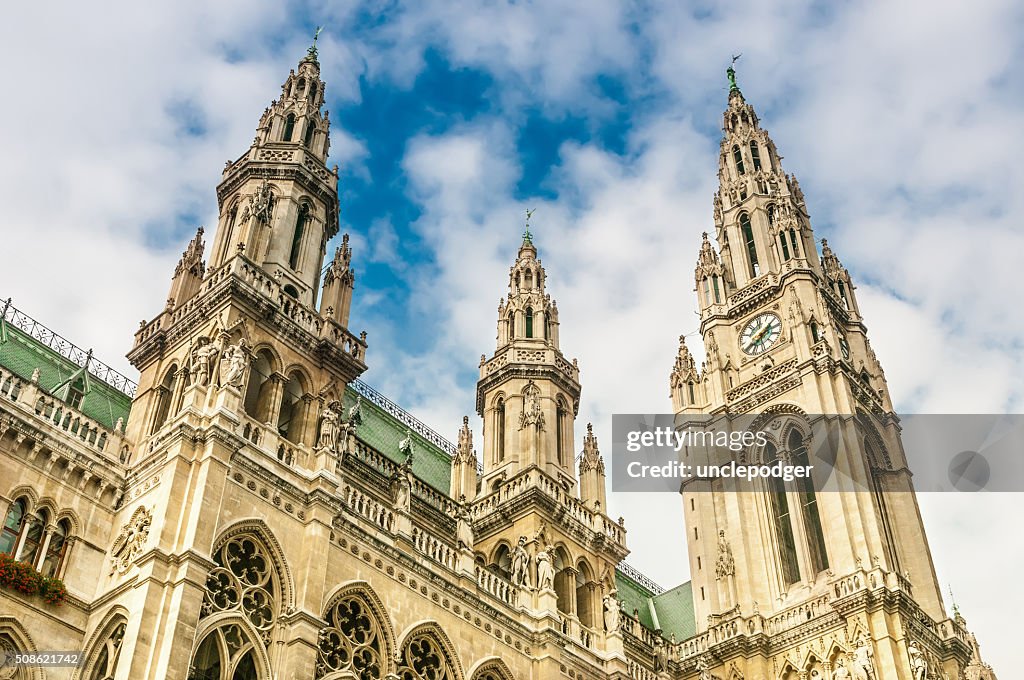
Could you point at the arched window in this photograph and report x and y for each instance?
(560, 432)
(529, 279)
(707, 290)
(300, 228)
(260, 387)
(425, 657)
(737, 157)
(8, 649)
(529, 322)
(815, 333)
(34, 529)
(226, 653)
(503, 561)
(104, 664)
(511, 326)
(312, 92)
(748, 239)
(229, 230)
(809, 506)
(770, 211)
(842, 293)
(353, 639)
(499, 417)
(779, 506)
(13, 524)
(300, 87)
(565, 582)
(755, 155)
(244, 581)
(785, 246)
(291, 417)
(310, 129)
(585, 608)
(714, 285)
(164, 393)
(794, 241)
(289, 127)
(56, 548)
(690, 390)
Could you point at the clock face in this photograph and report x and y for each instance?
(763, 331)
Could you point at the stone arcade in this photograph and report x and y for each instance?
(252, 510)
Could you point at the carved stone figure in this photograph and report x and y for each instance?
(532, 414)
(704, 669)
(545, 570)
(840, 673)
(464, 529)
(863, 664)
(611, 612)
(521, 564)
(660, 655)
(35, 376)
(918, 664)
(330, 427)
(130, 540)
(201, 359)
(405, 447)
(261, 204)
(726, 564)
(355, 414)
(233, 363)
(401, 481)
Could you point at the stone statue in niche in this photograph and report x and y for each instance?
(726, 564)
(545, 570)
(232, 364)
(401, 480)
(464, 527)
(840, 673)
(918, 664)
(130, 540)
(201, 360)
(532, 413)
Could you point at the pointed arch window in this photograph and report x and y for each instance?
(755, 155)
(32, 541)
(529, 279)
(511, 326)
(737, 157)
(529, 322)
(164, 393)
(809, 507)
(291, 416)
(770, 211)
(289, 127)
(300, 229)
(353, 640)
(310, 129)
(778, 504)
(226, 653)
(693, 398)
(13, 524)
(55, 549)
(424, 657)
(794, 242)
(707, 291)
(105, 664)
(76, 393)
(842, 293)
(715, 288)
(815, 332)
(499, 431)
(785, 246)
(748, 240)
(560, 413)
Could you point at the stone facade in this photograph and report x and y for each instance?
(261, 513)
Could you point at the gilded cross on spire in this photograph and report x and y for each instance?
(527, 237)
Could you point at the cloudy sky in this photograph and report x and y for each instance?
(902, 121)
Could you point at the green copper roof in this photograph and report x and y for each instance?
(671, 610)
(21, 354)
(383, 431)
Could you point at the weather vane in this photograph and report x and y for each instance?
(526, 234)
(731, 72)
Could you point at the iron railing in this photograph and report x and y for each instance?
(67, 349)
(403, 416)
(644, 580)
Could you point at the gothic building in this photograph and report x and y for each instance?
(251, 510)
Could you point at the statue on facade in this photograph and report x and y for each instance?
(704, 669)
(726, 564)
(232, 364)
(660, 655)
(918, 664)
(545, 570)
(331, 427)
(401, 481)
(611, 612)
(521, 564)
(863, 663)
(201, 359)
(355, 414)
(532, 413)
(464, 528)
(840, 673)
(261, 205)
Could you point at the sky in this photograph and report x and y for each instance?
(901, 120)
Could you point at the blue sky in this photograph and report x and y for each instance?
(901, 119)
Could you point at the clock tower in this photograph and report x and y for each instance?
(786, 343)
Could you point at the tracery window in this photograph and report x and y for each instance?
(424, 658)
(352, 641)
(289, 127)
(244, 580)
(226, 653)
(809, 506)
(8, 648)
(755, 156)
(529, 322)
(737, 157)
(300, 229)
(748, 239)
(105, 663)
(310, 129)
(782, 519)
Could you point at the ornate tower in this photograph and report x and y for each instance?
(528, 393)
(535, 521)
(784, 338)
(258, 297)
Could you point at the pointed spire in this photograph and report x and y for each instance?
(591, 458)
(465, 446)
(685, 368)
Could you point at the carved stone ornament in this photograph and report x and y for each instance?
(532, 414)
(725, 564)
(130, 541)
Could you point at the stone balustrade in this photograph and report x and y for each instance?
(497, 586)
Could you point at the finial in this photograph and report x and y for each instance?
(527, 237)
(731, 73)
(956, 609)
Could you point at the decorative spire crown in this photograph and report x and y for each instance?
(311, 53)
